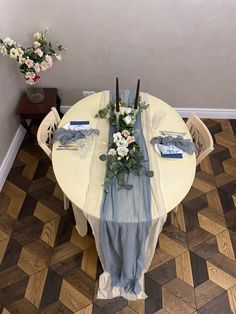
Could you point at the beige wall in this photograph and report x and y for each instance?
(9, 90)
(183, 50)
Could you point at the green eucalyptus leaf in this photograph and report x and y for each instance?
(128, 186)
(150, 173)
(103, 157)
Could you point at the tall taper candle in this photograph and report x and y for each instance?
(137, 95)
(117, 95)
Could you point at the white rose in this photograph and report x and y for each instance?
(21, 60)
(128, 120)
(117, 136)
(44, 66)
(39, 52)
(29, 63)
(13, 53)
(20, 51)
(8, 41)
(3, 50)
(125, 133)
(38, 36)
(30, 75)
(130, 139)
(30, 82)
(128, 110)
(37, 67)
(122, 142)
(36, 44)
(122, 151)
(48, 58)
(112, 152)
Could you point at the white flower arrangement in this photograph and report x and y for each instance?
(124, 154)
(32, 60)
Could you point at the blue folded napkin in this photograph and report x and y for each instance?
(79, 122)
(171, 155)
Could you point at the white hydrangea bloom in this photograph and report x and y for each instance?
(122, 151)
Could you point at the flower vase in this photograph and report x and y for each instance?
(34, 93)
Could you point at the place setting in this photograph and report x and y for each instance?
(76, 135)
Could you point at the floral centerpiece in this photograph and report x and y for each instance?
(32, 60)
(124, 153)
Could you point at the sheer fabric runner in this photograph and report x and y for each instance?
(125, 228)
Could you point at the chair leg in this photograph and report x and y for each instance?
(80, 221)
(66, 202)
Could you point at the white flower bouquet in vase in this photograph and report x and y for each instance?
(32, 60)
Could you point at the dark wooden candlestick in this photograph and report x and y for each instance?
(137, 95)
(117, 96)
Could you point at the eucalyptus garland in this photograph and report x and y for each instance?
(124, 154)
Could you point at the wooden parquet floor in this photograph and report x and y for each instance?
(46, 267)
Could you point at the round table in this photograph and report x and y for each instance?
(71, 171)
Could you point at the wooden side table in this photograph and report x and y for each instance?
(37, 111)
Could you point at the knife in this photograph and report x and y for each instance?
(172, 132)
(66, 148)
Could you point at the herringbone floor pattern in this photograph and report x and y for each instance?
(46, 267)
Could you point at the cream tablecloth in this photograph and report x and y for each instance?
(81, 179)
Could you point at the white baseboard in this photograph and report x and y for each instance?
(11, 155)
(210, 113)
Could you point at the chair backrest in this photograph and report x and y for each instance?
(201, 137)
(46, 130)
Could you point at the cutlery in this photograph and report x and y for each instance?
(66, 148)
(69, 145)
(172, 132)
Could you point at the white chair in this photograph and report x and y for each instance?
(201, 137)
(44, 137)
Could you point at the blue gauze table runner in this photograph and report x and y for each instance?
(126, 219)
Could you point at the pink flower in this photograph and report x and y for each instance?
(125, 133)
(130, 139)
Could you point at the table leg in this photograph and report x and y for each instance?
(80, 221)
(27, 127)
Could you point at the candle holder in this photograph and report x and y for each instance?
(117, 113)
